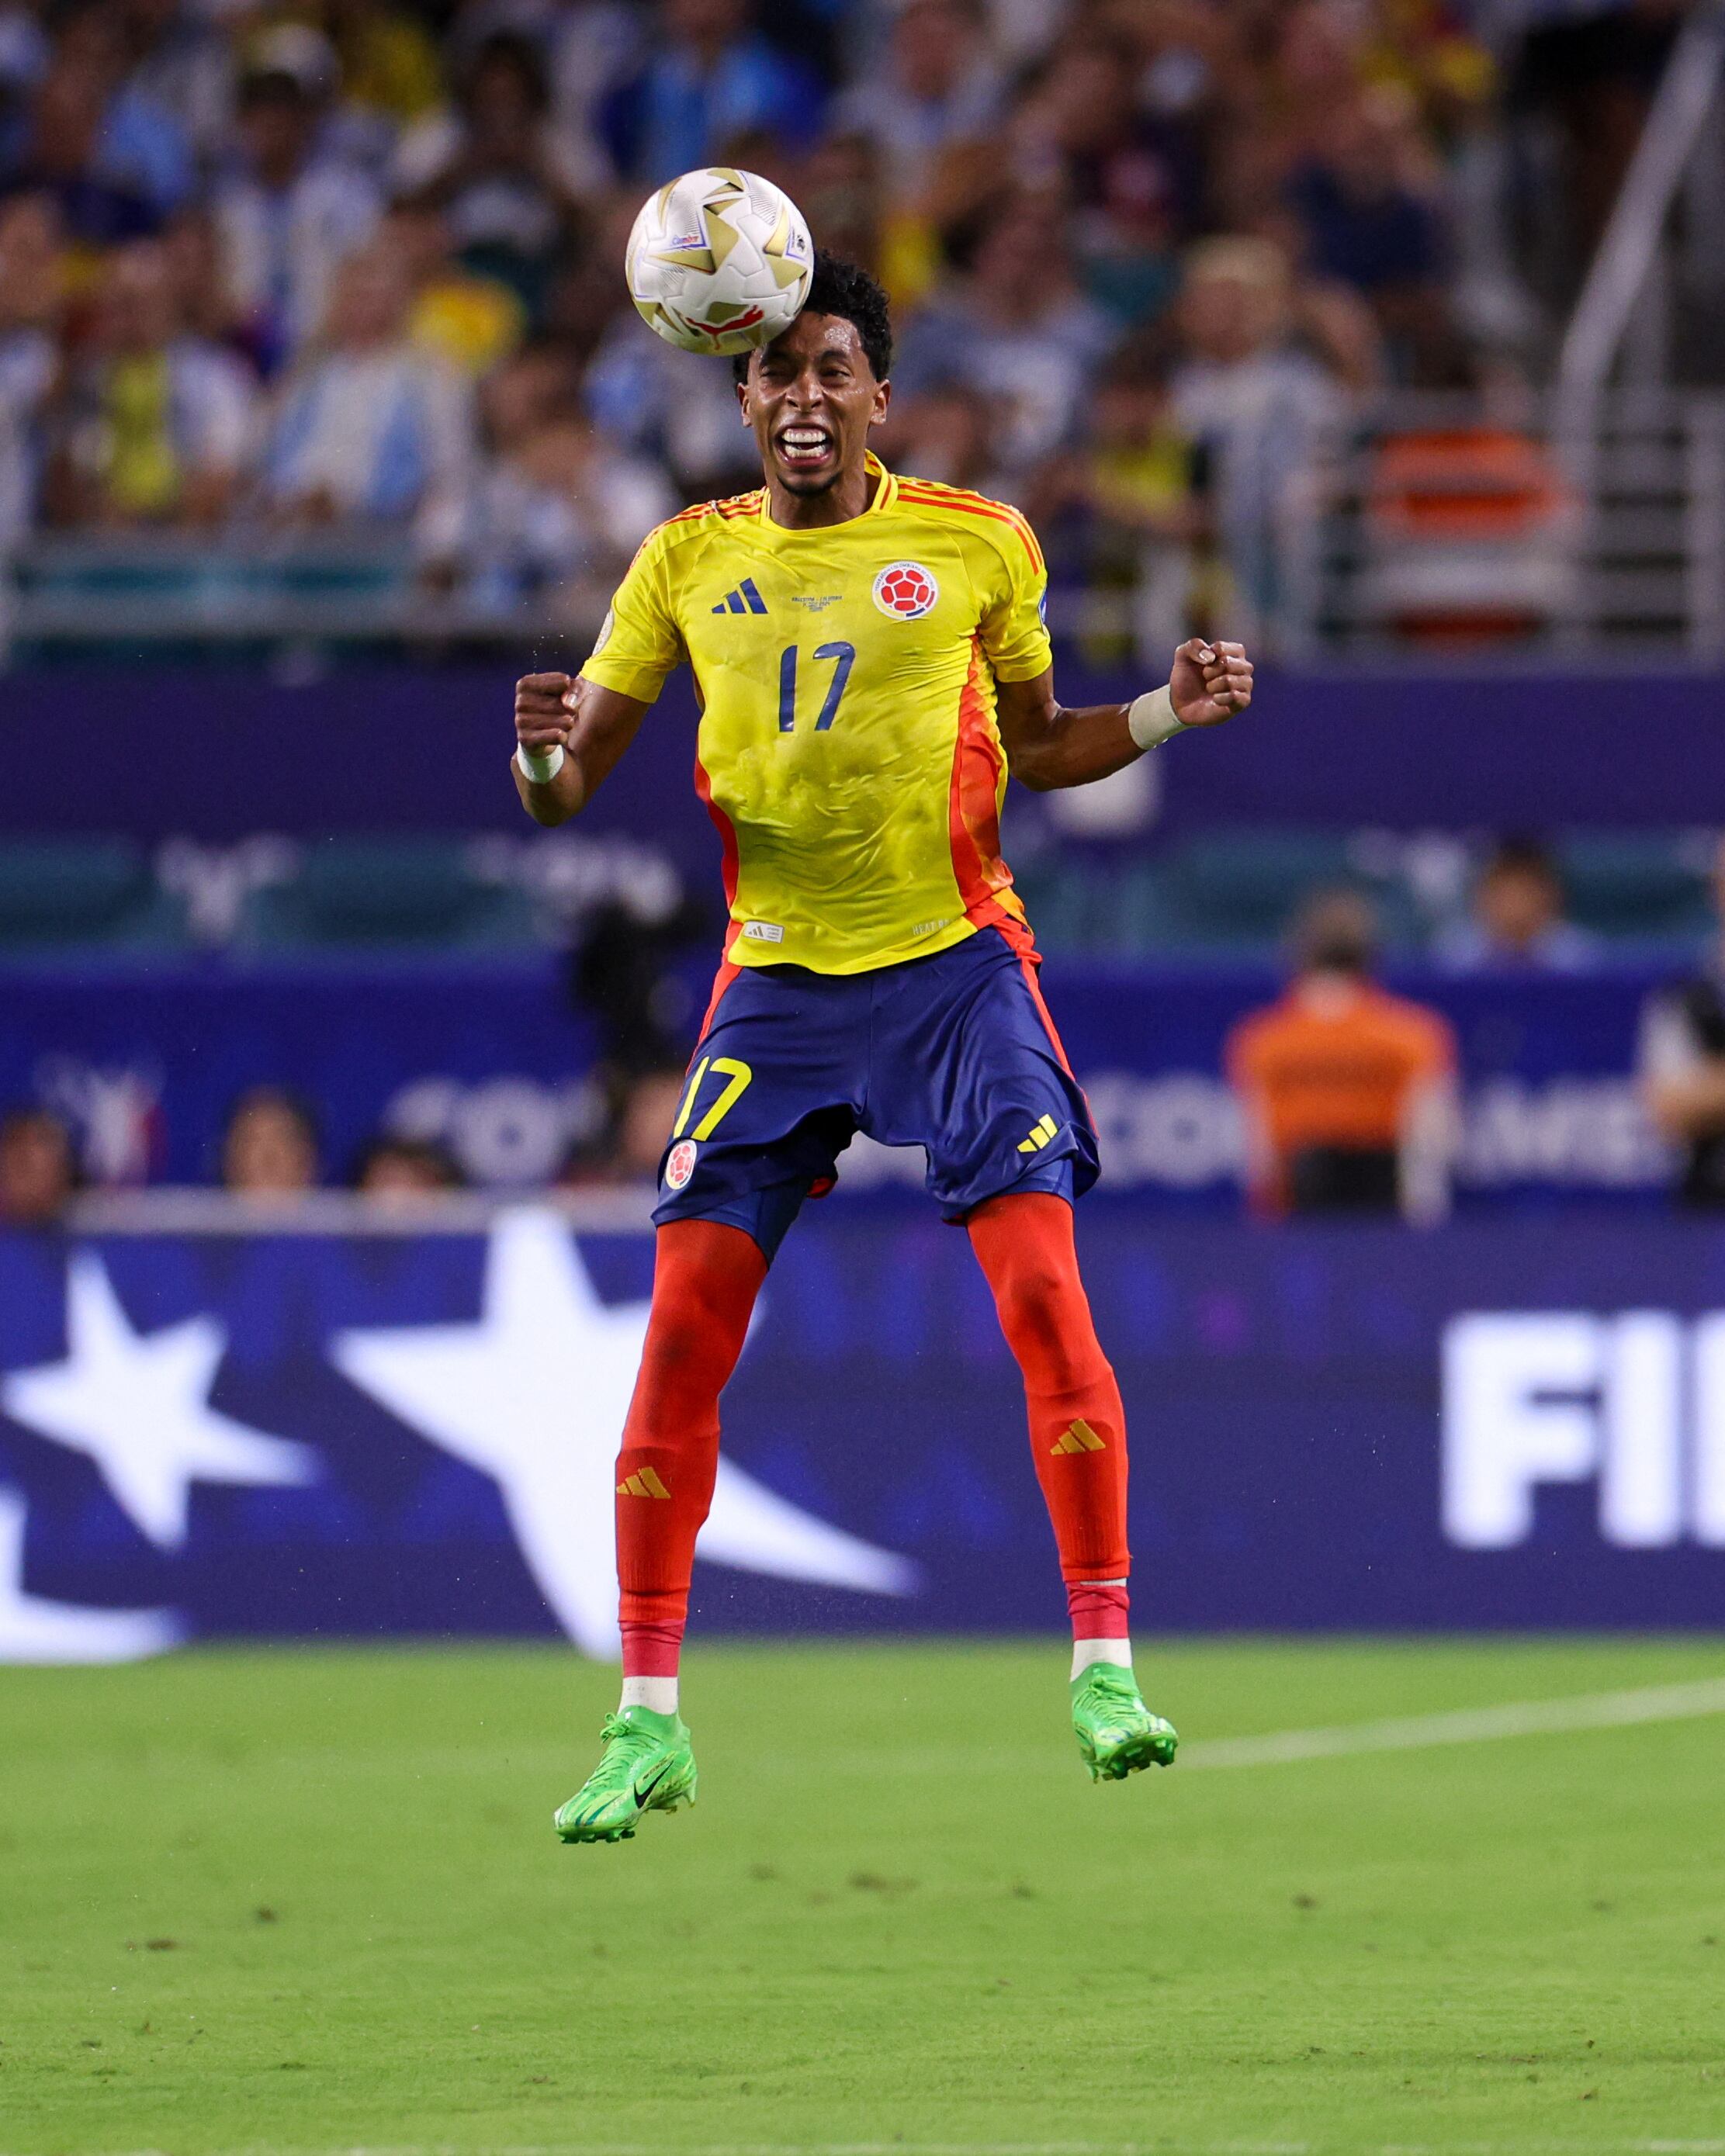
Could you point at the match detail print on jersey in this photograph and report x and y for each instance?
(854, 772)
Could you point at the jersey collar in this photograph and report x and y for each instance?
(884, 496)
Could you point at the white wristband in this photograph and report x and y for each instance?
(1150, 719)
(539, 770)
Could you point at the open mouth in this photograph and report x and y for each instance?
(803, 448)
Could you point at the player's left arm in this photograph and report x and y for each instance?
(1050, 746)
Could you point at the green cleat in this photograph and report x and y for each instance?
(647, 1766)
(1117, 1732)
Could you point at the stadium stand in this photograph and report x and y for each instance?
(1220, 894)
(389, 892)
(310, 327)
(56, 893)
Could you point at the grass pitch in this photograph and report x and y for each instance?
(312, 1900)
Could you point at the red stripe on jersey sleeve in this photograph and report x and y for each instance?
(733, 505)
(973, 814)
(923, 491)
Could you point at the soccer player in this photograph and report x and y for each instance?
(872, 663)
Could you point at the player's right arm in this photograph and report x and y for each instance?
(1048, 746)
(593, 717)
(592, 726)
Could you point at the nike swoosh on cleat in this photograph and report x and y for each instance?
(643, 1794)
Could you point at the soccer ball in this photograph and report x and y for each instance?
(719, 261)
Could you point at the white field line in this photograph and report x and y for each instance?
(1473, 1725)
(1529, 2148)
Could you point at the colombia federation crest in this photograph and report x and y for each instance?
(904, 590)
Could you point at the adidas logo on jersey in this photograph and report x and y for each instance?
(1043, 1133)
(1078, 1437)
(745, 599)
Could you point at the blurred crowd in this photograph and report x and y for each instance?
(355, 265)
(272, 1153)
(1349, 1094)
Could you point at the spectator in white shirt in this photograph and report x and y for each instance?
(1016, 329)
(643, 394)
(1516, 919)
(938, 86)
(30, 285)
(287, 217)
(555, 512)
(369, 427)
(1264, 410)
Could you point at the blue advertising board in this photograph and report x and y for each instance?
(489, 1060)
(227, 751)
(334, 1435)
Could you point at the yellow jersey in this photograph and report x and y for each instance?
(848, 749)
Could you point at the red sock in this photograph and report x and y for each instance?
(1023, 1244)
(705, 1278)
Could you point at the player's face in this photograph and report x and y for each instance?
(811, 398)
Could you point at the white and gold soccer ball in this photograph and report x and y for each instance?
(719, 260)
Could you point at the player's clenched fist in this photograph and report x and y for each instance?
(542, 717)
(1210, 682)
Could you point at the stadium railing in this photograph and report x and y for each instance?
(188, 1210)
(1448, 523)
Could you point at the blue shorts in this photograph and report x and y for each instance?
(955, 1052)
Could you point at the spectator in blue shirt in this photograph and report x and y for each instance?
(117, 164)
(182, 62)
(369, 428)
(713, 77)
(1370, 223)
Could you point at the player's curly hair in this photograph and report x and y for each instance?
(844, 289)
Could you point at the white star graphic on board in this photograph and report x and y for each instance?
(535, 1394)
(138, 1403)
(33, 1629)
